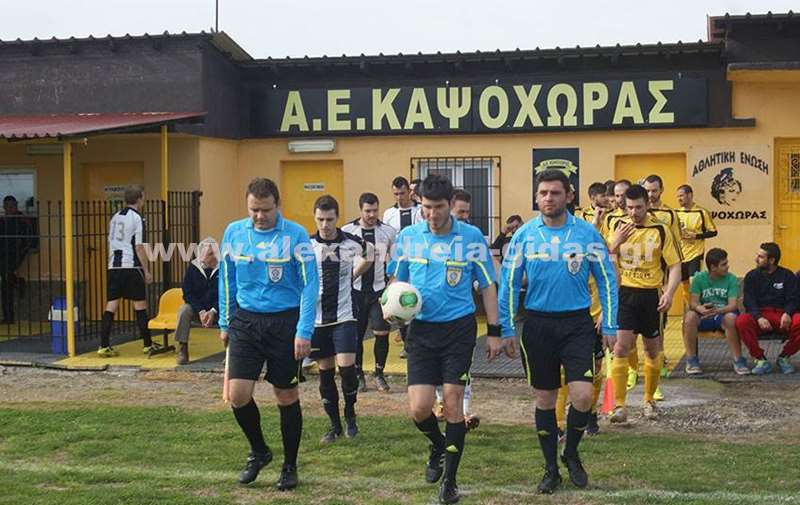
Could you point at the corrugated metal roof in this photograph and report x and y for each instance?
(18, 127)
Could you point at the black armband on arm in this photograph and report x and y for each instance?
(492, 330)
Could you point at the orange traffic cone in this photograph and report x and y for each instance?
(608, 392)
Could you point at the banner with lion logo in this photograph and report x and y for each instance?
(732, 183)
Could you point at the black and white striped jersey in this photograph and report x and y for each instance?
(335, 261)
(125, 232)
(399, 218)
(382, 237)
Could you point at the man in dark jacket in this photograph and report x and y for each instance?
(201, 294)
(771, 305)
(15, 228)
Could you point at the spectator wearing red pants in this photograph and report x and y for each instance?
(771, 300)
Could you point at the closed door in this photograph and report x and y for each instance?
(302, 182)
(104, 187)
(672, 170)
(787, 202)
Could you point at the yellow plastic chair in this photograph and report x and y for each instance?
(167, 317)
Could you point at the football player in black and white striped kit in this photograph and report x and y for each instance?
(405, 212)
(368, 288)
(127, 270)
(341, 257)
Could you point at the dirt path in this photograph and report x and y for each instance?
(740, 411)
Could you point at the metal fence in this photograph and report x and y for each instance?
(479, 175)
(32, 269)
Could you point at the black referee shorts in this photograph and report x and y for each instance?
(638, 311)
(256, 338)
(691, 267)
(126, 283)
(440, 353)
(551, 340)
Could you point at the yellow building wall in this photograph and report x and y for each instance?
(223, 192)
(371, 162)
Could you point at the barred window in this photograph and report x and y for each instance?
(480, 176)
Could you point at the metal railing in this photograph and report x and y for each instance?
(32, 269)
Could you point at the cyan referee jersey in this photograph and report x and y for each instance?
(557, 263)
(268, 271)
(443, 267)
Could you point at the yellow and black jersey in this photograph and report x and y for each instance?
(639, 259)
(588, 214)
(609, 220)
(696, 220)
(667, 214)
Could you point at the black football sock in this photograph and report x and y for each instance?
(454, 442)
(330, 395)
(291, 431)
(349, 390)
(105, 328)
(547, 429)
(576, 425)
(144, 331)
(249, 419)
(381, 352)
(430, 428)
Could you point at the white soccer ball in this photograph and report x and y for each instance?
(401, 302)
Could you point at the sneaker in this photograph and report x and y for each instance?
(658, 395)
(255, 462)
(153, 348)
(619, 415)
(577, 474)
(403, 354)
(592, 428)
(785, 365)
(762, 367)
(183, 354)
(472, 422)
(448, 492)
(693, 366)
(650, 410)
(550, 481)
(334, 432)
(380, 383)
(435, 466)
(351, 428)
(288, 479)
(362, 383)
(633, 377)
(107, 352)
(740, 366)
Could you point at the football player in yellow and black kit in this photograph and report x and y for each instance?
(640, 243)
(654, 186)
(696, 226)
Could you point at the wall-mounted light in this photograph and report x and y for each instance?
(312, 146)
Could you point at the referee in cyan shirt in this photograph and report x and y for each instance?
(557, 252)
(442, 257)
(267, 299)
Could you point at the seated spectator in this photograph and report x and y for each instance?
(499, 245)
(200, 292)
(770, 304)
(712, 307)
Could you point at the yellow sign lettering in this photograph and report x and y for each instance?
(487, 119)
(657, 114)
(569, 118)
(335, 109)
(418, 111)
(293, 113)
(527, 106)
(595, 97)
(457, 106)
(627, 105)
(383, 107)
